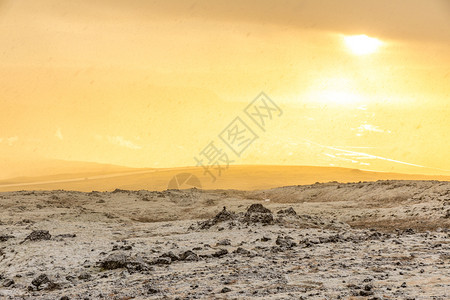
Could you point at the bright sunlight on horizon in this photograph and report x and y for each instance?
(151, 84)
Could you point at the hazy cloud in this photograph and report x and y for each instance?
(122, 142)
(58, 134)
(411, 19)
(369, 127)
(11, 140)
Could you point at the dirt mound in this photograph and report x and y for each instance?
(223, 216)
(257, 214)
(258, 208)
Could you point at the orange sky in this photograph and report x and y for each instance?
(151, 83)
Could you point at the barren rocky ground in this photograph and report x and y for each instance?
(367, 240)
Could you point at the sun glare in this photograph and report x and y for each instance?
(335, 90)
(362, 44)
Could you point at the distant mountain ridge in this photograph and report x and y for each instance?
(14, 168)
(91, 176)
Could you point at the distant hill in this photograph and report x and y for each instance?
(13, 168)
(107, 178)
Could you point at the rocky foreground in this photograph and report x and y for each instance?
(286, 243)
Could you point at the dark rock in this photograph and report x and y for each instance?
(66, 235)
(150, 290)
(137, 265)
(409, 231)
(258, 208)
(38, 235)
(120, 191)
(368, 287)
(225, 290)
(42, 282)
(285, 242)
(4, 238)
(259, 218)
(306, 243)
(447, 214)
(242, 251)
(188, 256)
(8, 282)
(330, 239)
(225, 242)
(85, 276)
(170, 255)
(287, 212)
(120, 260)
(257, 213)
(265, 239)
(376, 236)
(114, 261)
(41, 279)
(223, 216)
(220, 253)
(162, 261)
(365, 293)
(276, 249)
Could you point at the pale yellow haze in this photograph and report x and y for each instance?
(141, 83)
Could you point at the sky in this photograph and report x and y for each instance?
(359, 84)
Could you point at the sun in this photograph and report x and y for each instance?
(362, 44)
